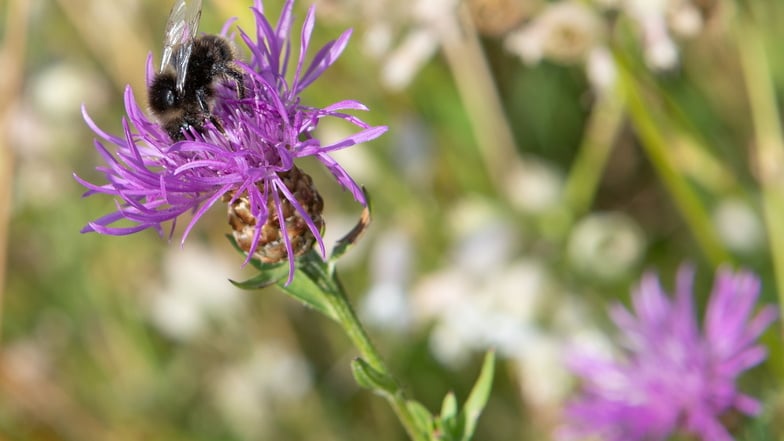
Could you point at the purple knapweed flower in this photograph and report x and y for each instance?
(247, 159)
(673, 377)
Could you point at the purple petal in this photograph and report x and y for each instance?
(155, 180)
(323, 59)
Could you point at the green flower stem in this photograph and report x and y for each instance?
(356, 333)
(655, 144)
(347, 318)
(475, 85)
(769, 140)
(603, 127)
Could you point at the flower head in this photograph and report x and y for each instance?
(674, 376)
(244, 154)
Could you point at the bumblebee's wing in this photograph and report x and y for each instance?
(178, 39)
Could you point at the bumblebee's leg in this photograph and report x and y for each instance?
(236, 75)
(201, 97)
(216, 122)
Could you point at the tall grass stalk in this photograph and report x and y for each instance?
(477, 89)
(769, 142)
(655, 144)
(12, 58)
(603, 126)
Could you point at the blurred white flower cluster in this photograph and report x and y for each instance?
(45, 125)
(490, 293)
(402, 56)
(739, 226)
(567, 32)
(405, 35)
(194, 293)
(573, 32)
(249, 393)
(606, 245)
(520, 310)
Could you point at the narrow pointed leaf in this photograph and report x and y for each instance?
(353, 236)
(305, 286)
(449, 407)
(262, 280)
(479, 395)
(372, 379)
(422, 418)
(450, 421)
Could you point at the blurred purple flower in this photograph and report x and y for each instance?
(156, 180)
(674, 377)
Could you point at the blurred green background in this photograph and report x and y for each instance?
(513, 201)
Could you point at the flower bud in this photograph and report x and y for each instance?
(271, 245)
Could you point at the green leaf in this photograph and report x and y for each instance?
(422, 417)
(307, 286)
(478, 397)
(262, 280)
(449, 422)
(369, 378)
(353, 236)
(449, 407)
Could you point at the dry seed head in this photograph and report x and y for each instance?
(498, 17)
(272, 247)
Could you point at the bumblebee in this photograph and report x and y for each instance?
(182, 93)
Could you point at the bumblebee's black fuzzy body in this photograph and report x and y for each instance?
(211, 59)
